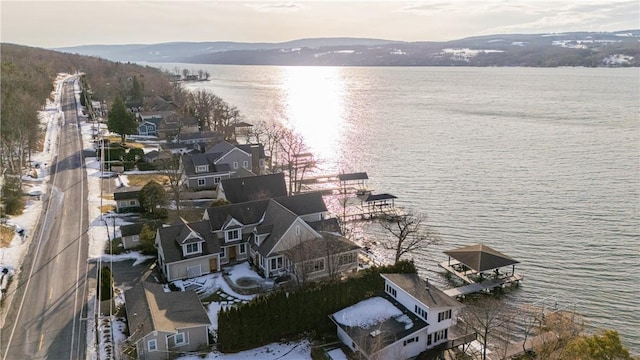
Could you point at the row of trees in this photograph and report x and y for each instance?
(27, 75)
(560, 333)
(285, 315)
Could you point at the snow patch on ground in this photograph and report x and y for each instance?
(337, 354)
(11, 257)
(300, 350)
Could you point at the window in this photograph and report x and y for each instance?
(132, 203)
(180, 339)
(223, 252)
(201, 168)
(235, 164)
(123, 203)
(276, 263)
(192, 248)
(428, 339)
(243, 249)
(391, 291)
(440, 335)
(421, 312)
(152, 345)
(233, 235)
(409, 341)
(297, 229)
(216, 180)
(201, 182)
(314, 265)
(346, 259)
(444, 315)
(135, 238)
(245, 164)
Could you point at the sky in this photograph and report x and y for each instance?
(52, 24)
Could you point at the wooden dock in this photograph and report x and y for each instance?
(454, 267)
(483, 286)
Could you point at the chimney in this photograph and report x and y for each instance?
(255, 159)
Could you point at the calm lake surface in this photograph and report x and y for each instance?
(541, 164)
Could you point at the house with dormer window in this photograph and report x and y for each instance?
(203, 171)
(200, 171)
(268, 233)
(187, 250)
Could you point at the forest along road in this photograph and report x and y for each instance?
(46, 318)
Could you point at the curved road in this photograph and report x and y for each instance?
(46, 318)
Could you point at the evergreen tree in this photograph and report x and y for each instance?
(152, 196)
(121, 121)
(137, 91)
(148, 240)
(105, 291)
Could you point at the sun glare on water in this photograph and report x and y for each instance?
(315, 107)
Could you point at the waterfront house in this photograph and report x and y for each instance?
(162, 322)
(269, 233)
(227, 153)
(203, 171)
(200, 171)
(127, 199)
(243, 189)
(412, 317)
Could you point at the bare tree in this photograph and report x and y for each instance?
(226, 117)
(409, 234)
(203, 105)
(171, 168)
(293, 157)
(486, 316)
(185, 73)
(201, 74)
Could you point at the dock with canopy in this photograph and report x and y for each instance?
(478, 259)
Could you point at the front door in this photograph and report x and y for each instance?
(232, 254)
(213, 264)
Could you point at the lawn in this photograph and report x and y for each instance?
(143, 179)
(6, 235)
(129, 144)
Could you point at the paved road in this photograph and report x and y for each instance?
(46, 314)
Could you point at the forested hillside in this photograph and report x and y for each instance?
(27, 76)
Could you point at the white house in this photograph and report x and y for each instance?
(412, 318)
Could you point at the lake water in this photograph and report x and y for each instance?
(541, 164)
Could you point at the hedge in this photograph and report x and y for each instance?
(284, 315)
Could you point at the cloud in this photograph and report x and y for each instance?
(275, 7)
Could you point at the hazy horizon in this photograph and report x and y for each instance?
(54, 24)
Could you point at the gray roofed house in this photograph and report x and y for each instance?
(201, 172)
(161, 322)
(223, 155)
(187, 250)
(238, 190)
(259, 231)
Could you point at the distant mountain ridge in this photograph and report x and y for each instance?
(620, 48)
